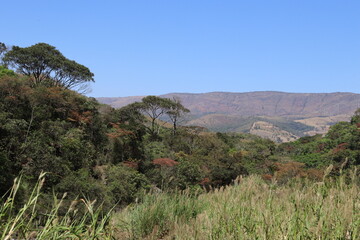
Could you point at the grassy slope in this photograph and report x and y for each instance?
(252, 209)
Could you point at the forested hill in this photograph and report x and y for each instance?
(265, 103)
(279, 116)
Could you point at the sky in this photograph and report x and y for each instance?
(153, 47)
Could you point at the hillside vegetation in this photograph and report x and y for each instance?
(94, 160)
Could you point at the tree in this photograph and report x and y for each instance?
(3, 50)
(355, 119)
(154, 107)
(71, 74)
(175, 112)
(46, 65)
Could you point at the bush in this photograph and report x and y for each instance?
(125, 184)
(188, 174)
(81, 184)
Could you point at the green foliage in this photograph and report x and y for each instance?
(46, 65)
(125, 184)
(313, 160)
(339, 146)
(341, 132)
(49, 129)
(188, 174)
(3, 50)
(6, 176)
(356, 117)
(82, 184)
(156, 149)
(6, 72)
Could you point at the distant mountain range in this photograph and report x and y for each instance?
(279, 116)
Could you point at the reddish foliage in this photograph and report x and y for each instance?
(267, 177)
(320, 147)
(315, 174)
(289, 148)
(340, 147)
(11, 98)
(286, 171)
(205, 181)
(134, 165)
(118, 132)
(165, 162)
(84, 117)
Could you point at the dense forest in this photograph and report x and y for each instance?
(116, 156)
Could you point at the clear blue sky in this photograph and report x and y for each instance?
(156, 47)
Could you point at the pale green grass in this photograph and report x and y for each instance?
(251, 209)
(27, 223)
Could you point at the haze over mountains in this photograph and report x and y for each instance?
(279, 116)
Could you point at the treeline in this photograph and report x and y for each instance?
(94, 151)
(115, 155)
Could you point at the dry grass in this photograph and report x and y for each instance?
(252, 209)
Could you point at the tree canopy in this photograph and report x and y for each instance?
(154, 107)
(3, 50)
(46, 65)
(175, 112)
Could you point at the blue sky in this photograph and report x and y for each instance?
(157, 47)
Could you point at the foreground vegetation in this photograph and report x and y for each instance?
(251, 209)
(81, 220)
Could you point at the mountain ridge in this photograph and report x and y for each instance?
(234, 108)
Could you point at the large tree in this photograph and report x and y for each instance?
(45, 64)
(154, 107)
(175, 112)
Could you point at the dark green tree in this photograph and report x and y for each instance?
(128, 120)
(3, 50)
(6, 177)
(355, 119)
(46, 65)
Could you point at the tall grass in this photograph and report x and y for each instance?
(251, 209)
(156, 215)
(28, 223)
